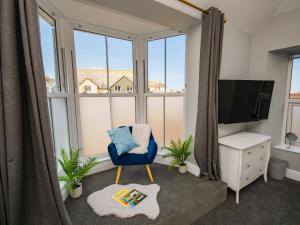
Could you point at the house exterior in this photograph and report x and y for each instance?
(95, 81)
(88, 86)
(295, 95)
(120, 81)
(123, 85)
(50, 84)
(156, 86)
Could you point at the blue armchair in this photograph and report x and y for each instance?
(133, 159)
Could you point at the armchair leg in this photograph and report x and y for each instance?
(118, 174)
(149, 172)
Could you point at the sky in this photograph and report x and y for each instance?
(295, 84)
(48, 47)
(175, 61)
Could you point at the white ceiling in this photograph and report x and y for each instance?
(151, 10)
(99, 16)
(146, 16)
(250, 15)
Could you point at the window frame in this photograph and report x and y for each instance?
(85, 27)
(153, 37)
(45, 9)
(289, 103)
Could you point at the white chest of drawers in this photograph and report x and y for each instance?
(243, 157)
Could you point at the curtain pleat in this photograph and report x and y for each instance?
(206, 134)
(29, 184)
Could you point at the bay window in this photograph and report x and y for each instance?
(56, 94)
(105, 64)
(292, 118)
(165, 88)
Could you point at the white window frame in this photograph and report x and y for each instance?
(85, 27)
(152, 37)
(63, 92)
(289, 103)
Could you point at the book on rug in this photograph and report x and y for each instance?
(118, 196)
(134, 197)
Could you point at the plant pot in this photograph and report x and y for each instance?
(182, 168)
(76, 192)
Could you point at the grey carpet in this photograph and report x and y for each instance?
(272, 203)
(183, 198)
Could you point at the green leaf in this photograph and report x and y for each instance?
(179, 151)
(74, 168)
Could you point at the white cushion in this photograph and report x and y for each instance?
(141, 134)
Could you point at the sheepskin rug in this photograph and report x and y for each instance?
(103, 204)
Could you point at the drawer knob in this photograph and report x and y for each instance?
(262, 146)
(260, 170)
(248, 165)
(261, 158)
(247, 178)
(249, 153)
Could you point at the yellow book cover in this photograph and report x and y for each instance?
(119, 195)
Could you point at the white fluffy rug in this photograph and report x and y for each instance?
(103, 204)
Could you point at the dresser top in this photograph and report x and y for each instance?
(243, 140)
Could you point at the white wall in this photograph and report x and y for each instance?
(280, 32)
(235, 65)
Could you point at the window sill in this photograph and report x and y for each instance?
(293, 148)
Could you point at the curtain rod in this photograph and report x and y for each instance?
(197, 7)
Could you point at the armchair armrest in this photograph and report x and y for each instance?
(152, 149)
(112, 151)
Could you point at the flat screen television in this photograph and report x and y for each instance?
(244, 100)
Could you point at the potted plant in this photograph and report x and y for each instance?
(179, 152)
(74, 170)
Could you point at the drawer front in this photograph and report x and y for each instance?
(255, 160)
(251, 175)
(255, 153)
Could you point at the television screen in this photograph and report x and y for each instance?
(244, 100)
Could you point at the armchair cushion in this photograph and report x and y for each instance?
(122, 139)
(141, 133)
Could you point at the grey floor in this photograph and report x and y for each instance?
(271, 203)
(183, 198)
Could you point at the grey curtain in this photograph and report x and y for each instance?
(206, 134)
(29, 189)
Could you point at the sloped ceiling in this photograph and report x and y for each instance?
(151, 10)
(247, 15)
(250, 15)
(99, 16)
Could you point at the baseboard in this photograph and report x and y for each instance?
(192, 168)
(293, 174)
(104, 165)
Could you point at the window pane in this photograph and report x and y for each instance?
(175, 63)
(295, 81)
(91, 65)
(295, 120)
(59, 116)
(173, 118)
(95, 122)
(155, 117)
(123, 111)
(156, 66)
(120, 64)
(49, 51)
